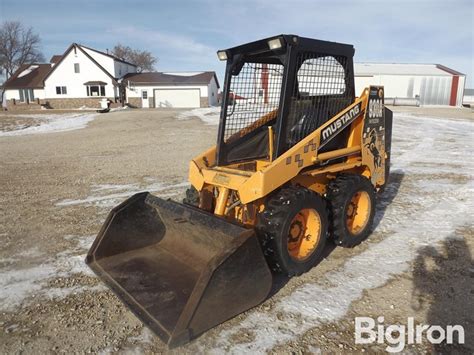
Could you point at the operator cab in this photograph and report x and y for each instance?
(286, 85)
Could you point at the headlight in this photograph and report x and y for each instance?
(222, 55)
(275, 43)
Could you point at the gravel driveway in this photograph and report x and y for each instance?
(56, 188)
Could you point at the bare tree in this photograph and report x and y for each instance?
(144, 60)
(18, 45)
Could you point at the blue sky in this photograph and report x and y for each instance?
(185, 34)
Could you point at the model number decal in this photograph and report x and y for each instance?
(375, 108)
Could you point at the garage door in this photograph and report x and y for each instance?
(177, 98)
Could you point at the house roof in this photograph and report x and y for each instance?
(202, 78)
(28, 76)
(55, 58)
(95, 83)
(108, 55)
(365, 69)
(75, 45)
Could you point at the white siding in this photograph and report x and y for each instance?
(395, 85)
(177, 97)
(432, 84)
(116, 68)
(135, 91)
(105, 61)
(212, 91)
(64, 75)
(39, 94)
(11, 94)
(431, 89)
(460, 96)
(208, 91)
(397, 69)
(362, 82)
(123, 68)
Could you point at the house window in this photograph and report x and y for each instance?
(26, 95)
(61, 90)
(95, 90)
(76, 68)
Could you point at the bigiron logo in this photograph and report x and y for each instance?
(398, 335)
(338, 125)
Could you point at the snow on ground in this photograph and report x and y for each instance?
(51, 123)
(108, 196)
(423, 150)
(429, 152)
(209, 115)
(20, 285)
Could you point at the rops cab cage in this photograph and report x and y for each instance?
(287, 83)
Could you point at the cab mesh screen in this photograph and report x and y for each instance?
(320, 91)
(254, 92)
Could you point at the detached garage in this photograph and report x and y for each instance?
(177, 97)
(171, 90)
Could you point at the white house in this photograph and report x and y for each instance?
(171, 89)
(82, 76)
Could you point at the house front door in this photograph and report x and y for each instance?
(145, 103)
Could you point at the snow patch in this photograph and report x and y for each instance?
(27, 71)
(51, 123)
(145, 337)
(110, 195)
(192, 73)
(407, 225)
(18, 285)
(209, 115)
(120, 108)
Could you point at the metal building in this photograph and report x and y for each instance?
(413, 84)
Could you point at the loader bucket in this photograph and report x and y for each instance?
(179, 269)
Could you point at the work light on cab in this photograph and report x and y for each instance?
(222, 55)
(275, 43)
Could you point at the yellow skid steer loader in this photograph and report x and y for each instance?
(298, 161)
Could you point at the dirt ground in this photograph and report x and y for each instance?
(56, 189)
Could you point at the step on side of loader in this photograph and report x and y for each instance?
(179, 269)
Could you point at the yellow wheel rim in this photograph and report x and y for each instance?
(304, 234)
(358, 212)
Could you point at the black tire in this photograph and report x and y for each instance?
(339, 195)
(192, 197)
(273, 228)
